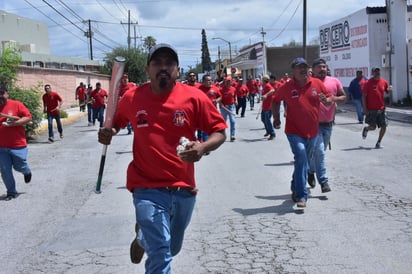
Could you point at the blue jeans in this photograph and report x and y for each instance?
(163, 217)
(302, 149)
(317, 163)
(359, 109)
(50, 118)
(89, 113)
(13, 158)
(232, 118)
(98, 113)
(266, 117)
(252, 101)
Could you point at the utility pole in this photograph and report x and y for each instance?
(89, 34)
(264, 51)
(128, 30)
(304, 28)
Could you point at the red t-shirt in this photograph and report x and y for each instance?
(241, 90)
(98, 96)
(228, 95)
(13, 137)
(303, 106)
(158, 122)
(267, 103)
(81, 93)
(51, 102)
(124, 88)
(375, 91)
(212, 92)
(251, 85)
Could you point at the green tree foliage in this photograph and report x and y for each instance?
(149, 42)
(9, 63)
(206, 62)
(135, 63)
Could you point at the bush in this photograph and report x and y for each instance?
(31, 99)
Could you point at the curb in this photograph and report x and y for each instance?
(72, 117)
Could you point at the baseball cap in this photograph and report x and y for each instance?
(318, 62)
(376, 69)
(162, 47)
(125, 76)
(266, 77)
(228, 78)
(298, 61)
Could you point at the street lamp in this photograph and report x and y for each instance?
(230, 46)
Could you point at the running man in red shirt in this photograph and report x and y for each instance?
(242, 93)
(124, 86)
(161, 180)
(228, 105)
(81, 92)
(52, 103)
(99, 98)
(266, 114)
(374, 104)
(13, 144)
(253, 89)
(303, 95)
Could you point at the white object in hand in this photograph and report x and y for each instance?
(183, 143)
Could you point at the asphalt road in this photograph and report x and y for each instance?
(244, 220)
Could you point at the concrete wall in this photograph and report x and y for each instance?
(62, 81)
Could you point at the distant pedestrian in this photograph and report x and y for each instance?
(303, 95)
(81, 92)
(13, 144)
(99, 97)
(228, 105)
(355, 90)
(242, 93)
(192, 80)
(373, 98)
(52, 103)
(213, 93)
(266, 114)
(124, 86)
(89, 104)
(317, 163)
(253, 90)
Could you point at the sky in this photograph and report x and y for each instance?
(180, 23)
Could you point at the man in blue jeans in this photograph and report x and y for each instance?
(303, 95)
(355, 90)
(52, 103)
(13, 144)
(161, 174)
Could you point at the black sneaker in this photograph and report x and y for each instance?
(51, 139)
(364, 132)
(266, 135)
(311, 180)
(136, 251)
(293, 196)
(27, 178)
(378, 145)
(10, 197)
(325, 187)
(232, 139)
(271, 137)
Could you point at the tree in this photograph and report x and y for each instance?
(9, 63)
(206, 62)
(149, 42)
(135, 63)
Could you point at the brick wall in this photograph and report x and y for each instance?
(62, 81)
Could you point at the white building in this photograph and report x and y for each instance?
(371, 37)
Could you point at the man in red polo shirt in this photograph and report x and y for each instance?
(303, 96)
(52, 103)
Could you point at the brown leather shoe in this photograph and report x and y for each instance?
(136, 251)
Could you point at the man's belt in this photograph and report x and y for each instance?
(326, 124)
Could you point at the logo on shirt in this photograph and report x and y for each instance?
(142, 119)
(179, 118)
(314, 92)
(295, 93)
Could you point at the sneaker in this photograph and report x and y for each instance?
(311, 179)
(301, 203)
(136, 251)
(266, 135)
(27, 178)
(364, 132)
(325, 187)
(271, 137)
(51, 139)
(10, 197)
(89, 124)
(232, 139)
(293, 196)
(378, 145)
(61, 135)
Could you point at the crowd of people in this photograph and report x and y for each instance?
(164, 112)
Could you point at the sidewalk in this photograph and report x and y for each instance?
(398, 114)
